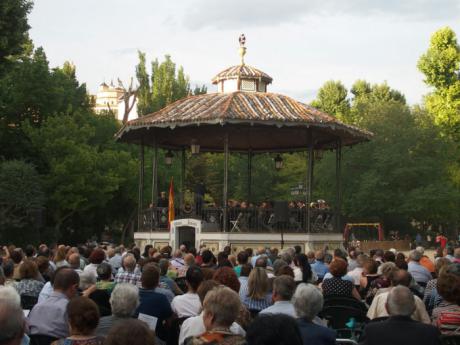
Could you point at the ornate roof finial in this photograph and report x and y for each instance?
(242, 49)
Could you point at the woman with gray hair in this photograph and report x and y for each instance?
(308, 302)
(220, 309)
(124, 301)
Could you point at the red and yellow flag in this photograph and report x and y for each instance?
(171, 203)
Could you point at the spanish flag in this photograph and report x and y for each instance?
(171, 203)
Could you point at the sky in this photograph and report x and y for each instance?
(301, 44)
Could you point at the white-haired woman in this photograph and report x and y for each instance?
(308, 302)
(124, 301)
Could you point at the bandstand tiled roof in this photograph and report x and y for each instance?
(260, 111)
(242, 72)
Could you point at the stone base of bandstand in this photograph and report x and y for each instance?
(191, 230)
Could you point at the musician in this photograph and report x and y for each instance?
(163, 201)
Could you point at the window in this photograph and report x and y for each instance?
(248, 85)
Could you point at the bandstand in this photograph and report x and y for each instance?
(242, 117)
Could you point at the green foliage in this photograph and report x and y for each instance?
(21, 192)
(402, 173)
(332, 99)
(84, 170)
(441, 67)
(143, 91)
(164, 86)
(14, 28)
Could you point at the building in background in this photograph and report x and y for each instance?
(110, 98)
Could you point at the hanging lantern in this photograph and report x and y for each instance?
(195, 147)
(278, 162)
(169, 158)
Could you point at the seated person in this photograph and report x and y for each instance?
(283, 290)
(446, 316)
(255, 295)
(319, 267)
(308, 302)
(83, 316)
(104, 287)
(153, 303)
(400, 328)
(421, 275)
(378, 307)
(29, 285)
(336, 286)
(194, 326)
(50, 317)
(220, 309)
(124, 301)
(189, 304)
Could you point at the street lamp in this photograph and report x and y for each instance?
(278, 162)
(195, 147)
(169, 158)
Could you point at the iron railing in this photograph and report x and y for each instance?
(260, 220)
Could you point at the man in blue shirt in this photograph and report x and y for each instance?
(49, 317)
(153, 303)
(418, 272)
(319, 267)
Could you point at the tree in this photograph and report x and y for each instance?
(13, 29)
(402, 173)
(332, 99)
(441, 67)
(163, 86)
(21, 192)
(31, 91)
(143, 91)
(129, 99)
(84, 170)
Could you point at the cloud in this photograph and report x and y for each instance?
(236, 14)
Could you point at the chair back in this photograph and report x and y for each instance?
(40, 339)
(345, 301)
(28, 302)
(254, 313)
(450, 339)
(339, 315)
(174, 330)
(181, 284)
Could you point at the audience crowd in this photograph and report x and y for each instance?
(103, 294)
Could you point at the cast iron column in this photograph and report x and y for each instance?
(309, 181)
(249, 196)
(154, 174)
(182, 179)
(225, 195)
(141, 187)
(338, 177)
